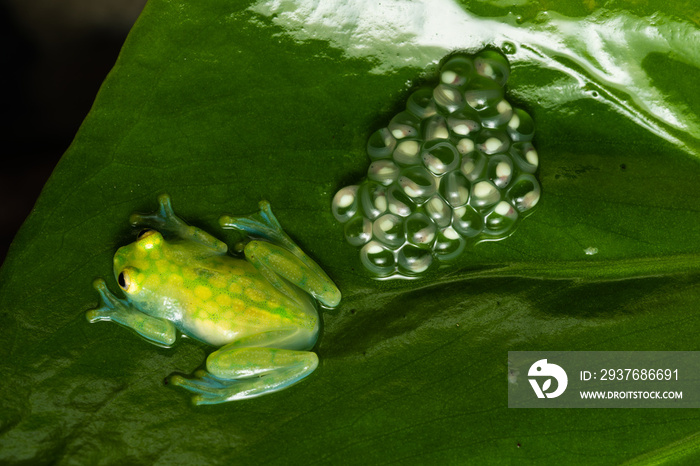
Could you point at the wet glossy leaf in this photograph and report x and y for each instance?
(224, 103)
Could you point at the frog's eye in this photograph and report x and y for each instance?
(144, 233)
(126, 281)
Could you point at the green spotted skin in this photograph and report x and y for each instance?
(214, 298)
(258, 310)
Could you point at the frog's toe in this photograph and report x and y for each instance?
(164, 215)
(201, 383)
(108, 303)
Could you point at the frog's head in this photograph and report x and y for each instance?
(135, 265)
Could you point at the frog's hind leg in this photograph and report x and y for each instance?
(166, 221)
(235, 373)
(287, 261)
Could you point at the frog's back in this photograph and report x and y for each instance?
(224, 299)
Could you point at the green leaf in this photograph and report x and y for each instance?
(223, 103)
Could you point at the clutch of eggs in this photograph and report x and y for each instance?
(456, 167)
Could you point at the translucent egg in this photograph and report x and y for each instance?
(438, 211)
(483, 93)
(525, 193)
(493, 142)
(383, 171)
(501, 220)
(454, 188)
(358, 230)
(484, 194)
(525, 156)
(399, 203)
(500, 170)
(420, 230)
(465, 146)
(521, 128)
(435, 127)
(457, 71)
(344, 204)
(389, 230)
(421, 103)
(498, 116)
(378, 259)
(448, 97)
(492, 65)
(407, 152)
(417, 183)
(413, 260)
(440, 156)
(464, 122)
(373, 200)
(380, 144)
(449, 244)
(404, 125)
(467, 221)
(473, 165)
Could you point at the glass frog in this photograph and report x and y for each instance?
(260, 310)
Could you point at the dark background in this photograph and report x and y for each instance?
(53, 58)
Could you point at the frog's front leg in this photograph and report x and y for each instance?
(159, 331)
(165, 221)
(235, 372)
(286, 260)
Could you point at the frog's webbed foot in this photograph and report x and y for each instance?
(238, 373)
(110, 305)
(263, 225)
(166, 221)
(287, 261)
(158, 331)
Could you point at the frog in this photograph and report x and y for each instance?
(257, 308)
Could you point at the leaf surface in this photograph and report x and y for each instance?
(224, 103)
